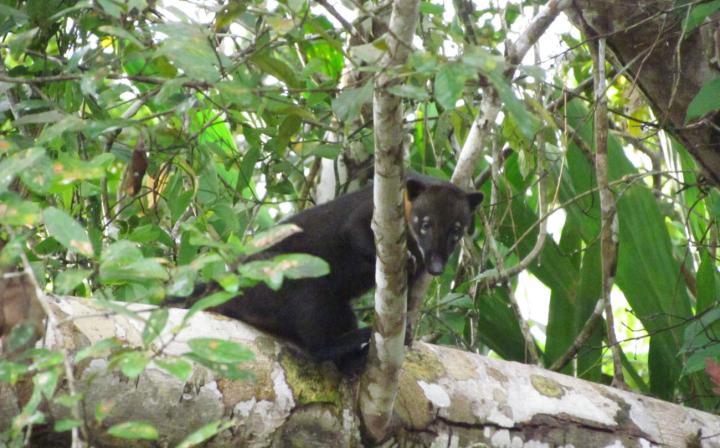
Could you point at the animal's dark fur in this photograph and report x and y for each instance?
(316, 313)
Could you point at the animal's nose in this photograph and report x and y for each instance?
(435, 265)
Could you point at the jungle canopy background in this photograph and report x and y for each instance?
(145, 145)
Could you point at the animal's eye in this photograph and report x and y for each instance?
(425, 226)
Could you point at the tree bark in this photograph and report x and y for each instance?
(446, 397)
(669, 68)
(379, 383)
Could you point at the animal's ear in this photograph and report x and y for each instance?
(474, 199)
(414, 187)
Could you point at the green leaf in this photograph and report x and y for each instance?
(44, 359)
(123, 262)
(220, 350)
(154, 325)
(51, 116)
(131, 363)
(46, 382)
(205, 433)
(21, 41)
(100, 349)
(412, 92)
(226, 370)
(67, 231)
(68, 280)
(210, 301)
(708, 287)
(134, 431)
(707, 100)
(177, 367)
(68, 400)
(16, 212)
(103, 409)
(698, 14)
(21, 336)
(347, 105)
(327, 151)
(270, 237)
(17, 163)
(449, 84)
(187, 46)
(292, 266)
(121, 33)
(67, 424)
(11, 372)
(277, 68)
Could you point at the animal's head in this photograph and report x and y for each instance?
(438, 214)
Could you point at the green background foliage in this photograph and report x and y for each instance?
(143, 151)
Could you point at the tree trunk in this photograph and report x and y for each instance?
(446, 397)
(646, 38)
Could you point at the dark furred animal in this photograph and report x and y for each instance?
(316, 313)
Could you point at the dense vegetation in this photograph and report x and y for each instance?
(142, 151)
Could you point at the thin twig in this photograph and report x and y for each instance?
(608, 219)
(53, 323)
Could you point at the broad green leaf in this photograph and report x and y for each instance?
(46, 382)
(708, 287)
(16, 212)
(499, 326)
(411, 92)
(51, 116)
(449, 84)
(68, 123)
(270, 237)
(698, 14)
(123, 262)
(188, 47)
(528, 123)
(177, 367)
(121, 33)
(220, 350)
(67, 231)
(347, 105)
(11, 372)
(18, 15)
(103, 409)
(44, 358)
(233, 371)
(327, 151)
(291, 266)
(368, 53)
(205, 433)
(210, 301)
(20, 337)
(707, 100)
(17, 163)
(182, 281)
(134, 431)
(20, 41)
(131, 363)
(277, 68)
(67, 281)
(154, 325)
(68, 400)
(67, 424)
(100, 349)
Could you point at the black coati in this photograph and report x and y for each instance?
(316, 313)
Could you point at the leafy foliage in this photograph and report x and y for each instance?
(143, 151)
